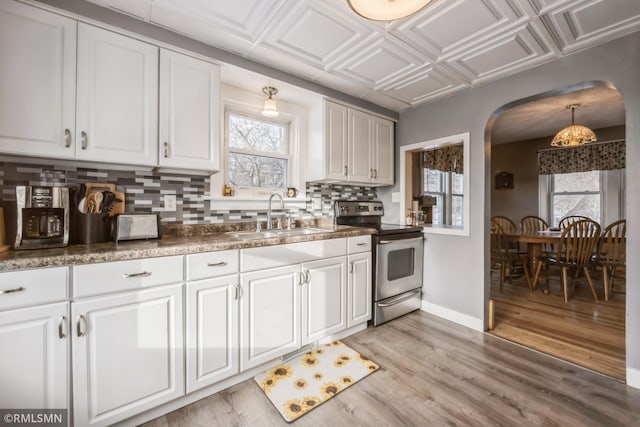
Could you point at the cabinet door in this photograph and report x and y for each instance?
(127, 354)
(359, 289)
(382, 151)
(360, 142)
(212, 331)
(117, 107)
(189, 104)
(324, 298)
(33, 360)
(336, 140)
(37, 82)
(269, 314)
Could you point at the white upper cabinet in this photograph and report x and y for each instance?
(37, 82)
(189, 112)
(357, 147)
(117, 104)
(335, 140)
(382, 151)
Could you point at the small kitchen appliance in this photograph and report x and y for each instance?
(397, 258)
(42, 217)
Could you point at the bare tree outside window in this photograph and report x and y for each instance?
(575, 193)
(258, 152)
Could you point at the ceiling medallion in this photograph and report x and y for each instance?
(386, 10)
(573, 135)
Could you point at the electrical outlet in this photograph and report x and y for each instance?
(170, 202)
(316, 203)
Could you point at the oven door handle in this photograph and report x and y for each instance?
(386, 242)
(399, 300)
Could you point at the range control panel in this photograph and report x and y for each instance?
(344, 208)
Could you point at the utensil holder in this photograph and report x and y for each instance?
(92, 228)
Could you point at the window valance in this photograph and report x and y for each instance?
(446, 159)
(608, 155)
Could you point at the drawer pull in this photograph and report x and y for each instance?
(361, 244)
(11, 291)
(81, 326)
(133, 275)
(62, 326)
(217, 264)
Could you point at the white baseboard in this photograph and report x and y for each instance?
(633, 377)
(454, 316)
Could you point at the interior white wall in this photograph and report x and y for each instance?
(456, 267)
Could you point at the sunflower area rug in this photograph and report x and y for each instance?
(303, 383)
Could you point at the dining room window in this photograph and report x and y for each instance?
(447, 188)
(577, 193)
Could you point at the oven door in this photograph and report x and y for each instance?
(398, 265)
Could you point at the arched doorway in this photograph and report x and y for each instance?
(582, 331)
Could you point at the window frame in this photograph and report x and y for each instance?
(227, 149)
(445, 194)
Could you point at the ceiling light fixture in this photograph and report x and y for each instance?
(573, 135)
(386, 10)
(269, 109)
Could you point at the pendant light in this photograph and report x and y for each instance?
(573, 135)
(386, 10)
(269, 109)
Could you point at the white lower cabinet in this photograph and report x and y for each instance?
(324, 298)
(34, 357)
(212, 347)
(359, 289)
(127, 354)
(269, 314)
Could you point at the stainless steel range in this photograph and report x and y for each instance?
(397, 258)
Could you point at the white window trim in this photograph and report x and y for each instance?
(241, 101)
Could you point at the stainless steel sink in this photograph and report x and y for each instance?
(266, 234)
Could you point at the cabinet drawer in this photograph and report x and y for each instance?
(212, 264)
(108, 277)
(359, 244)
(31, 287)
(293, 253)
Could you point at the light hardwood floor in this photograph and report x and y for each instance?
(435, 372)
(582, 331)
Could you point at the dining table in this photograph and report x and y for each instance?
(535, 242)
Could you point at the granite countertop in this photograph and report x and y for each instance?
(178, 242)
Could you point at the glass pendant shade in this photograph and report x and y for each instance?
(573, 135)
(386, 10)
(270, 109)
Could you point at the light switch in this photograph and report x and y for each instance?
(170, 202)
(395, 197)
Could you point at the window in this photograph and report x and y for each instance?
(447, 188)
(257, 152)
(577, 193)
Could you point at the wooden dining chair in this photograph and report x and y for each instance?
(507, 225)
(531, 224)
(577, 243)
(504, 256)
(568, 220)
(611, 253)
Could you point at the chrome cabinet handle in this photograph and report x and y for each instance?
(132, 275)
(307, 277)
(375, 173)
(81, 326)
(67, 138)
(11, 291)
(301, 278)
(361, 244)
(371, 173)
(84, 140)
(236, 292)
(346, 169)
(62, 327)
(352, 267)
(166, 150)
(217, 264)
(240, 290)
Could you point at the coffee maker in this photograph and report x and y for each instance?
(42, 217)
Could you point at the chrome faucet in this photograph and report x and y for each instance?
(269, 226)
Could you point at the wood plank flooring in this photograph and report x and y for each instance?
(582, 331)
(435, 372)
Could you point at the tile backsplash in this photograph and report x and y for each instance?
(144, 192)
